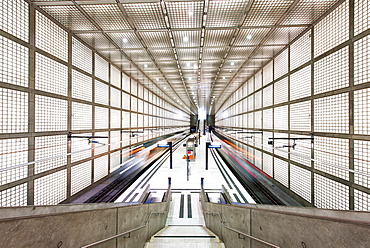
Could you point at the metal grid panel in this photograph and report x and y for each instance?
(330, 194)
(193, 38)
(101, 68)
(362, 111)
(81, 56)
(307, 11)
(300, 116)
(268, 73)
(268, 96)
(14, 111)
(250, 36)
(115, 77)
(332, 72)
(115, 161)
(281, 171)
(239, 53)
(281, 91)
(266, 12)
(267, 119)
(281, 118)
(300, 83)
(13, 63)
(107, 16)
(50, 75)
(331, 114)
(14, 18)
(362, 162)
(138, 55)
(333, 150)
(162, 54)
(126, 40)
(213, 53)
(14, 197)
(79, 145)
(101, 118)
(281, 64)
(185, 14)
(332, 30)
(188, 54)
(300, 51)
(115, 138)
(96, 40)
(303, 150)
(115, 118)
(80, 177)
(100, 167)
(81, 116)
(101, 93)
(57, 42)
(225, 13)
(362, 60)
(115, 96)
(300, 182)
(215, 38)
(50, 114)
(362, 201)
(69, 16)
(51, 189)
(268, 164)
(143, 14)
(284, 35)
(156, 39)
(361, 16)
(99, 148)
(50, 146)
(13, 152)
(81, 86)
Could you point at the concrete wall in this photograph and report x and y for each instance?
(78, 225)
(288, 226)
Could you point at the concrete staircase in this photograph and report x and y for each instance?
(185, 237)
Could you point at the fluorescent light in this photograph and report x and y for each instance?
(157, 79)
(124, 40)
(145, 65)
(232, 63)
(249, 36)
(185, 39)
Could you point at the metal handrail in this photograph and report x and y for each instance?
(241, 233)
(124, 233)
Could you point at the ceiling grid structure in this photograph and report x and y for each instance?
(195, 52)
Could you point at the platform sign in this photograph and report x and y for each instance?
(214, 145)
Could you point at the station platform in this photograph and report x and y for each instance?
(185, 208)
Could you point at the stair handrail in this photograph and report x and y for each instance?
(239, 232)
(124, 233)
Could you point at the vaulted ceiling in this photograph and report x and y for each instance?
(196, 52)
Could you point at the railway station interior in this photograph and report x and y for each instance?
(185, 123)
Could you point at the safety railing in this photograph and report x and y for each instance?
(124, 233)
(239, 232)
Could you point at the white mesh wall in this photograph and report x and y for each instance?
(14, 111)
(14, 62)
(101, 147)
(281, 91)
(268, 73)
(281, 171)
(14, 197)
(334, 152)
(81, 116)
(47, 147)
(362, 60)
(57, 39)
(80, 177)
(51, 114)
(14, 18)
(115, 118)
(13, 152)
(101, 93)
(332, 30)
(362, 201)
(362, 162)
(300, 51)
(268, 94)
(300, 83)
(281, 64)
(281, 118)
(81, 86)
(115, 161)
(51, 76)
(115, 138)
(332, 72)
(330, 194)
(115, 96)
(101, 68)
(300, 182)
(81, 56)
(81, 146)
(101, 118)
(300, 116)
(361, 16)
(51, 189)
(115, 77)
(100, 167)
(331, 114)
